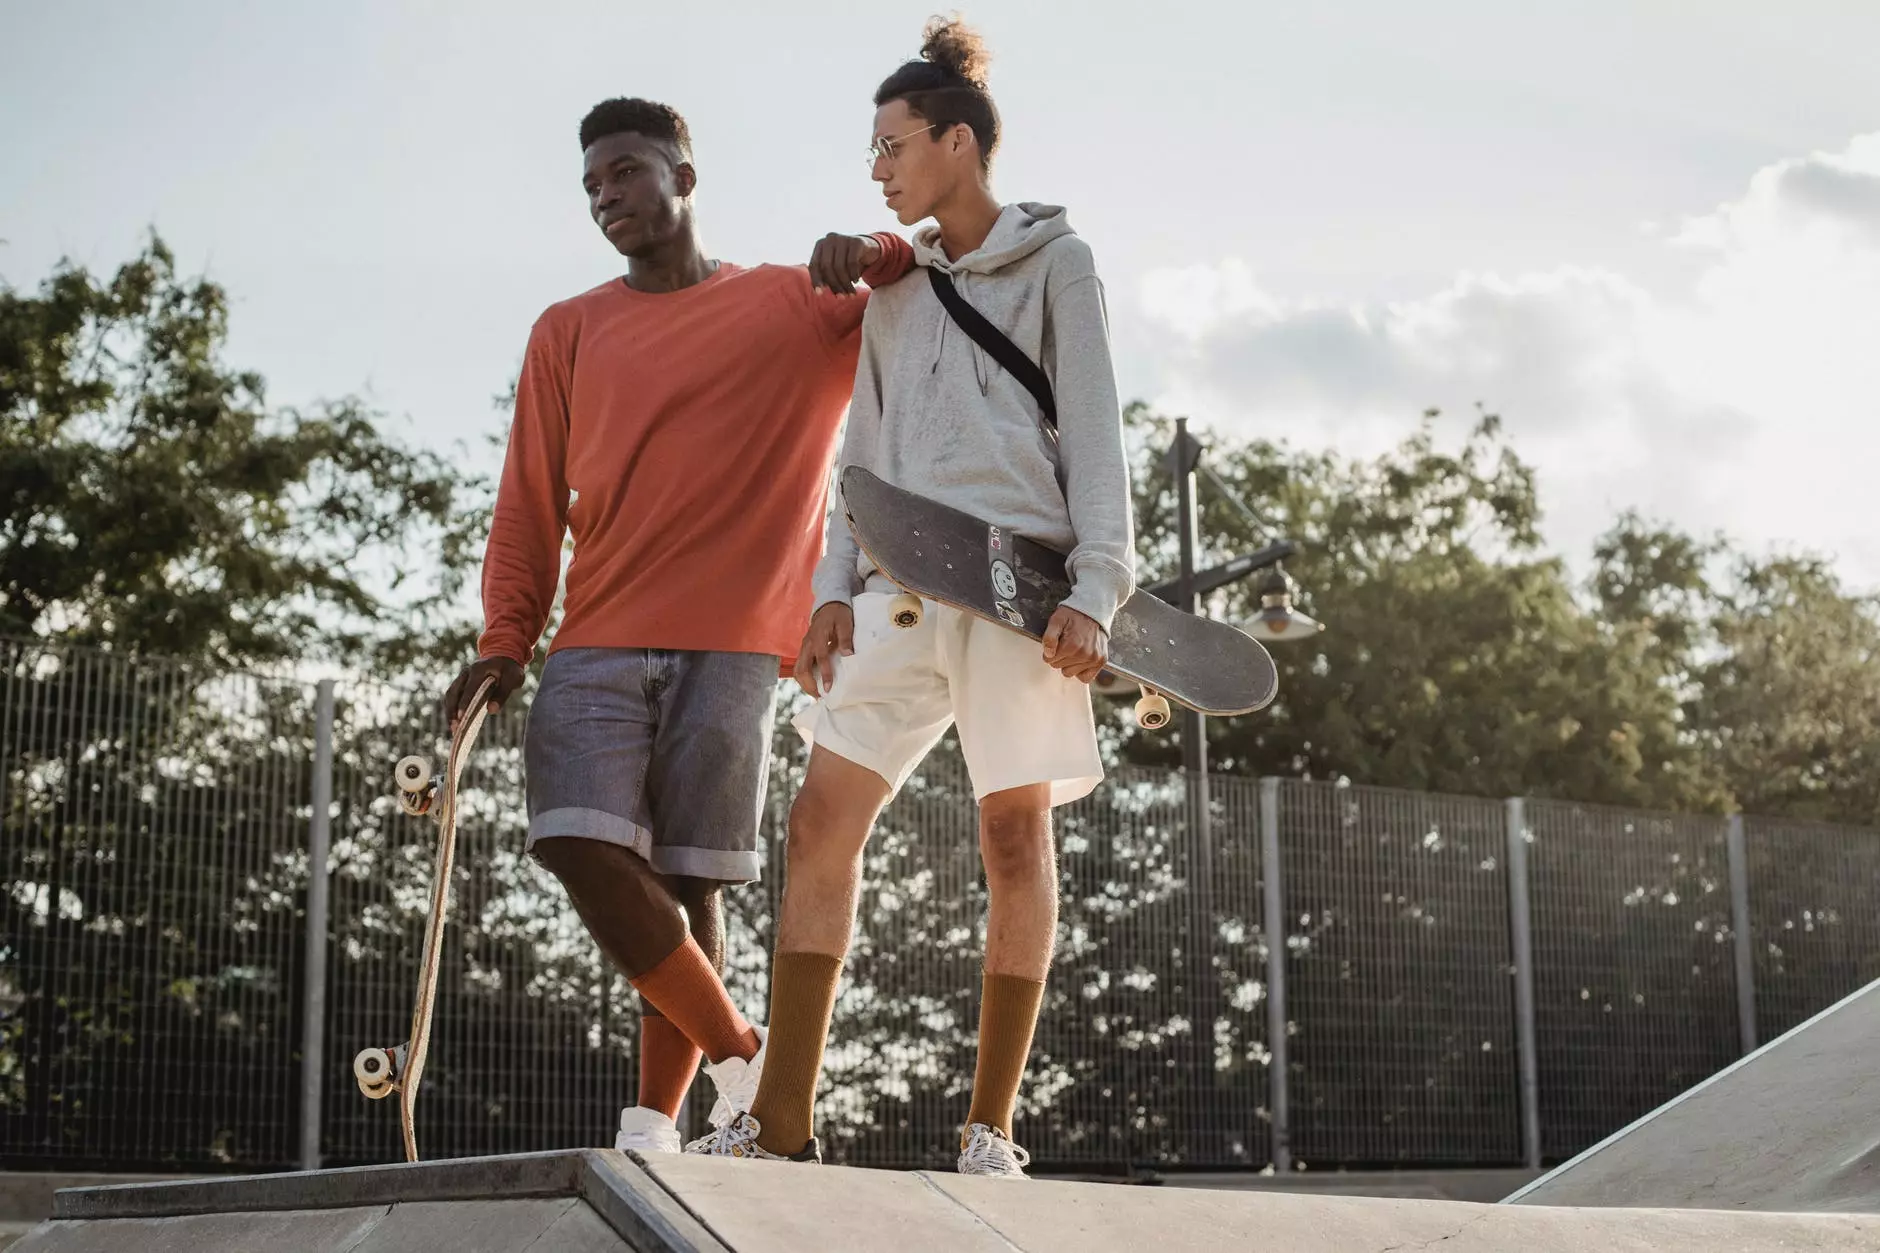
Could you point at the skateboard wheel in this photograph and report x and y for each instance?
(377, 1091)
(905, 610)
(1152, 712)
(374, 1069)
(413, 774)
(417, 804)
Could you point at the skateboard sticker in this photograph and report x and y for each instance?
(1010, 614)
(1004, 582)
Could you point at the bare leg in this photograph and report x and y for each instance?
(1022, 881)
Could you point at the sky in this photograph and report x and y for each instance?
(1645, 233)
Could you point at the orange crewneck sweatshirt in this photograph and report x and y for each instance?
(685, 439)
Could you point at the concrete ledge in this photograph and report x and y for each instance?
(643, 1212)
(463, 1179)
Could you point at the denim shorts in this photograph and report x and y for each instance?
(662, 751)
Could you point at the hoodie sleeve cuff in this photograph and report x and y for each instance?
(1098, 590)
(831, 591)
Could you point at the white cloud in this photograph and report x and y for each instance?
(1743, 396)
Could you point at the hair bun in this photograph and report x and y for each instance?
(954, 46)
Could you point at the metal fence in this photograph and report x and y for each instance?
(1461, 981)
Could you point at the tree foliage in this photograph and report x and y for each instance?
(1463, 657)
(152, 498)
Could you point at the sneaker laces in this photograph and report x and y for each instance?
(723, 1141)
(996, 1154)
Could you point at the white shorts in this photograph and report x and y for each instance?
(1021, 721)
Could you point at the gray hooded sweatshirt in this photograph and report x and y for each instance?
(936, 415)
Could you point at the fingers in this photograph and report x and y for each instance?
(819, 262)
(1076, 646)
(453, 697)
(845, 634)
(837, 261)
(842, 269)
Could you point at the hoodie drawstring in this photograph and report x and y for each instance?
(981, 367)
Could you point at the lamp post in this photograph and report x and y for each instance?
(1184, 456)
(1277, 622)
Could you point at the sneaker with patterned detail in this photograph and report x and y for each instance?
(989, 1152)
(738, 1138)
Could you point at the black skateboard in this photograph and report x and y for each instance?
(942, 554)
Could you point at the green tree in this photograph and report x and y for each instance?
(151, 497)
(1775, 661)
(1458, 656)
(1789, 700)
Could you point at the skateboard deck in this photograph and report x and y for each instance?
(400, 1068)
(942, 554)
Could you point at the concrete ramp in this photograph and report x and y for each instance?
(1794, 1126)
(595, 1201)
(582, 1202)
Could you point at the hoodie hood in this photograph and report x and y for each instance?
(1021, 230)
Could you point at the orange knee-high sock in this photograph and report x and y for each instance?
(668, 1064)
(685, 989)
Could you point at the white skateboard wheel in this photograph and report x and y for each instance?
(1152, 711)
(415, 804)
(413, 774)
(377, 1091)
(373, 1069)
(905, 610)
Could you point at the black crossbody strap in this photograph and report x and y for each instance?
(994, 341)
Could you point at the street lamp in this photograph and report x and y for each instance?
(1278, 622)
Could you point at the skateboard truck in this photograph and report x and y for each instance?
(377, 1071)
(905, 610)
(417, 790)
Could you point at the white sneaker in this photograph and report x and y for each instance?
(736, 1080)
(647, 1131)
(738, 1138)
(990, 1152)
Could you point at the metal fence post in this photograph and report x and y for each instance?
(1521, 934)
(1739, 927)
(313, 1007)
(1273, 922)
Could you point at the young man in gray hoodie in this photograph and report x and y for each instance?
(933, 413)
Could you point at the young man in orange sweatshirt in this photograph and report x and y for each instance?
(681, 422)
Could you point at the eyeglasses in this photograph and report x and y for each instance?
(883, 148)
